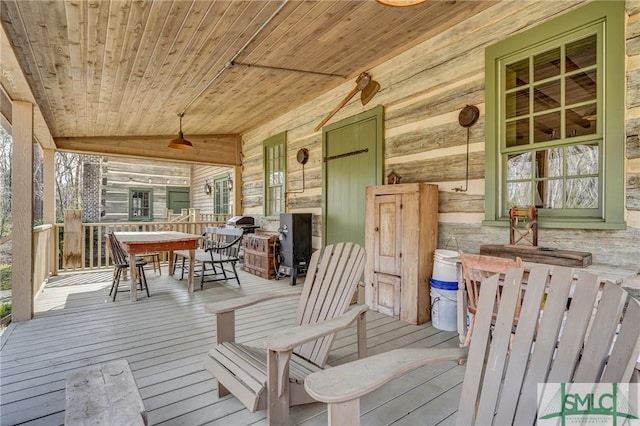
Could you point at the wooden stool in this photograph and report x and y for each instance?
(154, 260)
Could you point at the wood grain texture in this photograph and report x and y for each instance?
(633, 145)
(401, 228)
(104, 394)
(210, 149)
(633, 191)
(117, 67)
(22, 210)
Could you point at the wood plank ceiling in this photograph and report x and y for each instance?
(115, 68)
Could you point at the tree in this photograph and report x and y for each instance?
(68, 173)
(6, 148)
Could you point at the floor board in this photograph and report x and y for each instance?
(165, 338)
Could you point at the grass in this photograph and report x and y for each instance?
(5, 309)
(5, 277)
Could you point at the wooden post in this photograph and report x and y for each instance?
(194, 215)
(49, 206)
(237, 190)
(49, 203)
(22, 211)
(72, 246)
(344, 413)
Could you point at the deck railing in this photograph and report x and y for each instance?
(94, 254)
(43, 238)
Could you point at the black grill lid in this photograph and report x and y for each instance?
(241, 221)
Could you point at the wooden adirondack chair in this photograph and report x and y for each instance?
(588, 342)
(272, 378)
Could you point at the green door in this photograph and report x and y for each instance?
(178, 198)
(353, 160)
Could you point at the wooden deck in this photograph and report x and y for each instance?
(165, 338)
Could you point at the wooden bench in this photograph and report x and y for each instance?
(104, 394)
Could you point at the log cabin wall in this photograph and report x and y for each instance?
(422, 92)
(119, 174)
(201, 174)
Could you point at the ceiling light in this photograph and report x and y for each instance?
(180, 142)
(400, 3)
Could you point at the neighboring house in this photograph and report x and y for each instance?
(212, 189)
(120, 189)
(140, 190)
(558, 89)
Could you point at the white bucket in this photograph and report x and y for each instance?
(444, 269)
(444, 305)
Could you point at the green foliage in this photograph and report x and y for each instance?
(5, 309)
(5, 277)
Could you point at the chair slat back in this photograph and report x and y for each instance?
(332, 279)
(120, 257)
(227, 243)
(584, 342)
(476, 267)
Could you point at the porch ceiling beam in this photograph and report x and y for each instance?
(221, 150)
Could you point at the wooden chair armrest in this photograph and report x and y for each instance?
(287, 339)
(355, 379)
(242, 302)
(219, 246)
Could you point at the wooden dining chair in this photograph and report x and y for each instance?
(477, 267)
(120, 263)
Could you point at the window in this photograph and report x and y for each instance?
(274, 174)
(140, 204)
(221, 190)
(555, 120)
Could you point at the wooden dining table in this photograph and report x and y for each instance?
(143, 242)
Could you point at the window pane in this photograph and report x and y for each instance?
(546, 96)
(580, 121)
(582, 193)
(582, 160)
(581, 87)
(549, 194)
(549, 163)
(518, 132)
(519, 166)
(546, 127)
(517, 74)
(518, 194)
(581, 53)
(517, 103)
(546, 64)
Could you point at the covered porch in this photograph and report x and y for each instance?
(165, 339)
(111, 78)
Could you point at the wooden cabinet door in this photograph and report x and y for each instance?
(387, 234)
(387, 294)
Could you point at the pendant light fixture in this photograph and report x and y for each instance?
(180, 142)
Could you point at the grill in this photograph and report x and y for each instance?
(247, 223)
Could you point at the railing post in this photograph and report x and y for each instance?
(56, 249)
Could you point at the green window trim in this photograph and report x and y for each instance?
(221, 194)
(275, 174)
(609, 17)
(140, 205)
